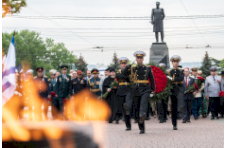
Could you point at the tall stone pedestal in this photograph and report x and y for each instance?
(159, 53)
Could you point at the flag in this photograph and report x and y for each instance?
(8, 74)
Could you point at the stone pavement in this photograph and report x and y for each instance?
(201, 133)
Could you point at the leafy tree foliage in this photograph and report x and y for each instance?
(32, 50)
(12, 6)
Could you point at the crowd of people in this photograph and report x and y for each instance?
(128, 91)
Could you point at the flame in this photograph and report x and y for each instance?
(81, 107)
(84, 106)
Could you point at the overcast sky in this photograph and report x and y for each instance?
(125, 36)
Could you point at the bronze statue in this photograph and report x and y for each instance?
(157, 17)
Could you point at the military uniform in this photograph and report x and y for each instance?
(93, 83)
(63, 88)
(123, 92)
(213, 86)
(140, 89)
(177, 77)
(43, 94)
(78, 84)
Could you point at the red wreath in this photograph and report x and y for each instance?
(160, 79)
(221, 94)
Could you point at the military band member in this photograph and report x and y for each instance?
(42, 82)
(79, 83)
(93, 83)
(213, 86)
(140, 88)
(177, 76)
(63, 89)
(123, 91)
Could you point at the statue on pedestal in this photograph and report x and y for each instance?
(157, 17)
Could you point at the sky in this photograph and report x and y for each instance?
(124, 36)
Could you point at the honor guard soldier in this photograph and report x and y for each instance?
(213, 86)
(177, 76)
(140, 89)
(93, 83)
(42, 82)
(123, 92)
(79, 83)
(63, 89)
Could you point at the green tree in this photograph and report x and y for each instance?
(115, 63)
(12, 6)
(81, 64)
(222, 65)
(31, 48)
(206, 64)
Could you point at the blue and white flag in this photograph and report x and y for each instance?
(8, 74)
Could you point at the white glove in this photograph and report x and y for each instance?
(151, 95)
(169, 77)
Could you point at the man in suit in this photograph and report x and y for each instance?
(63, 88)
(88, 76)
(188, 81)
(213, 86)
(52, 83)
(140, 88)
(176, 75)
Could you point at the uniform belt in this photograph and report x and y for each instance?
(124, 83)
(141, 81)
(179, 82)
(95, 90)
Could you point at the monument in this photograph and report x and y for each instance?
(159, 52)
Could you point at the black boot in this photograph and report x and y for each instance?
(127, 122)
(142, 127)
(142, 118)
(174, 127)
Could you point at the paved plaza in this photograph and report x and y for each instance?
(201, 133)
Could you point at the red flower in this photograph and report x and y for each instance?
(160, 79)
(221, 94)
(53, 94)
(201, 78)
(117, 81)
(49, 99)
(196, 86)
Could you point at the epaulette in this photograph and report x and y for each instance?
(35, 77)
(45, 76)
(49, 79)
(168, 71)
(119, 71)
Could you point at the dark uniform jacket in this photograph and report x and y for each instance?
(107, 84)
(63, 86)
(78, 84)
(93, 84)
(177, 76)
(124, 83)
(52, 85)
(43, 94)
(188, 96)
(140, 76)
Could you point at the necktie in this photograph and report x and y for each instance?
(186, 82)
